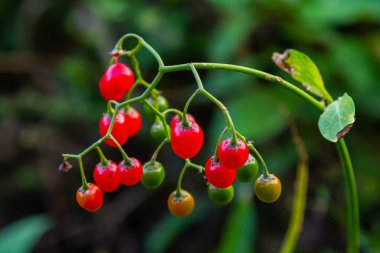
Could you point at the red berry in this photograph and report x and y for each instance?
(218, 175)
(119, 130)
(105, 176)
(90, 199)
(134, 121)
(233, 155)
(186, 141)
(130, 174)
(116, 81)
(176, 119)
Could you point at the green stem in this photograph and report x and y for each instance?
(227, 116)
(161, 116)
(126, 159)
(249, 71)
(353, 221)
(103, 159)
(154, 156)
(179, 183)
(185, 121)
(173, 110)
(84, 181)
(257, 154)
(218, 143)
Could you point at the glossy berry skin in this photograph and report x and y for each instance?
(176, 119)
(221, 196)
(105, 176)
(119, 130)
(186, 141)
(157, 130)
(181, 206)
(130, 174)
(232, 155)
(153, 175)
(116, 81)
(248, 171)
(91, 199)
(268, 189)
(161, 103)
(134, 121)
(219, 175)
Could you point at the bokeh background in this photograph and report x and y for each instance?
(52, 54)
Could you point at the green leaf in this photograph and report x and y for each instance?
(337, 119)
(302, 69)
(21, 235)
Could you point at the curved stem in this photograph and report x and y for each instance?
(353, 220)
(249, 71)
(218, 143)
(84, 181)
(154, 156)
(227, 116)
(126, 159)
(257, 154)
(173, 110)
(103, 159)
(180, 178)
(185, 121)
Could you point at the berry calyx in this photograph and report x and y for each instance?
(119, 130)
(90, 199)
(153, 175)
(130, 173)
(157, 130)
(105, 176)
(181, 206)
(219, 175)
(220, 196)
(176, 119)
(248, 171)
(116, 81)
(134, 121)
(233, 155)
(268, 189)
(186, 141)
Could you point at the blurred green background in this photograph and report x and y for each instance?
(52, 54)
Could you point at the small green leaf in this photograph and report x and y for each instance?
(302, 69)
(337, 119)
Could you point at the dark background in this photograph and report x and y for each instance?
(52, 54)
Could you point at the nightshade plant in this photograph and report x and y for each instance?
(185, 135)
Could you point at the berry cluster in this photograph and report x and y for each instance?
(231, 159)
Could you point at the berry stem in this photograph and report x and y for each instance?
(84, 181)
(126, 159)
(161, 116)
(155, 154)
(185, 121)
(229, 122)
(257, 154)
(180, 178)
(103, 159)
(218, 143)
(173, 110)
